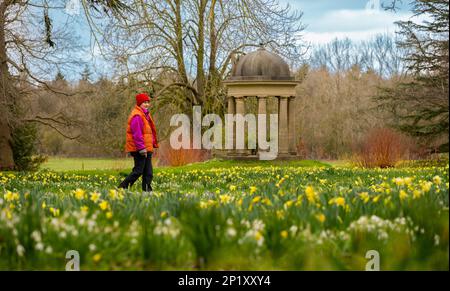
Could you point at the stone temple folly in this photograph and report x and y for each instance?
(263, 74)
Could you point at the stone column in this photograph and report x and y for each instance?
(262, 109)
(283, 131)
(232, 110)
(292, 133)
(240, 110)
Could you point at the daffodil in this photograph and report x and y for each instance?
(364, 196)
(437, 180)
(225, 198)
(96, 258)
(256, 199)
(104, 205)
(113, 194)
(403, 195)
(80, 194)
(95, 196)
(284, 234)
(311, 195)
(320, 217)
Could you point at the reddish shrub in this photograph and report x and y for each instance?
(167, 156)
(382, 147)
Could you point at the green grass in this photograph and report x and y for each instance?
(114, 166)
(226, 215)
(81, 164)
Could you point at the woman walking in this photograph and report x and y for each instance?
(141, 142)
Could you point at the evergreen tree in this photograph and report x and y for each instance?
(419, 103)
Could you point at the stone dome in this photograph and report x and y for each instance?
(261, 65)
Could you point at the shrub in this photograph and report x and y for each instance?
(381, 147)
(167, 156)
(25, 147)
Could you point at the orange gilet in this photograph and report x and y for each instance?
(147, 134)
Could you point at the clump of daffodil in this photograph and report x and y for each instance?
(417, 194)
(96, 258)
(376, 198)
(256, 199)
(79, 194)
(232, 187)
(266, 201)
(364, 196)
(104, 205)
(54, 211)
(252, 189)
(94, 196)
(280, 214)
(339, 201)
(288, 204)
(225, 198)
(403, 195)
(426, 186)
(311, 195)
(437, 180)
(203, 204)
(11, 196)
(320, 217)
(113, 194)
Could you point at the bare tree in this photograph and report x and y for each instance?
(30, 49)
(185, 48)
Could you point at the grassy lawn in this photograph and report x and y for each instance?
(93, 165)
(81, 164)
(226, 215)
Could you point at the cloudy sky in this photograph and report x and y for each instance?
(325, 20)
(355, 19)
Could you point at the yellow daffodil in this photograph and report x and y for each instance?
(225, 198)
(403, 195)
(364, 196)
(95, 196)
(104, 205)
(80, 194)
(311, 195)
(256, 199)
(320, 217)
(437, 180)
(96, 258)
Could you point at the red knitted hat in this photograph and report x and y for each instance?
(141, 98)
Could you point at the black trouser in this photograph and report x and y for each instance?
(142, 166)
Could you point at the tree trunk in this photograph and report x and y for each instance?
(6, 153)
(201, 50)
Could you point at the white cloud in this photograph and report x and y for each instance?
(357, 20)
(355, 24)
